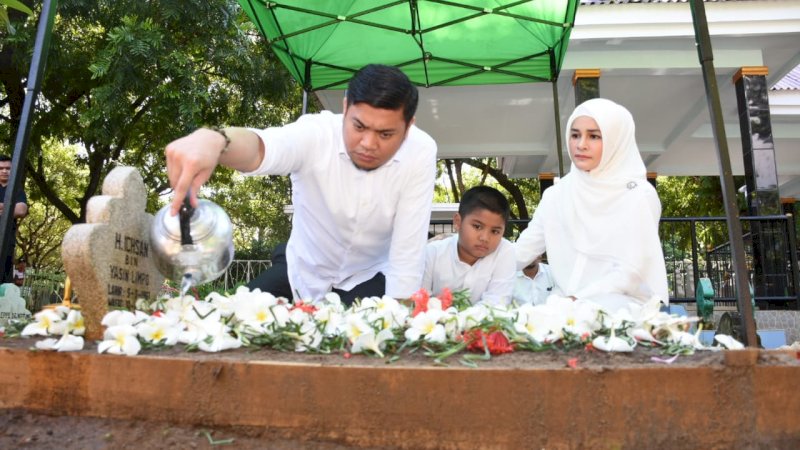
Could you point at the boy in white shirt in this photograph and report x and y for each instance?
(478, 258)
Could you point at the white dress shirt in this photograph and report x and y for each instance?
(348, 223)
(533, 290)
(490, 280)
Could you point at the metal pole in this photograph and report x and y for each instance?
(695, 261)
(706, 57)
(305, 102)
(18, 158)
(558, 129)
(793, 259)
(556, 112)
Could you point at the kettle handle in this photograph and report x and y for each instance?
(185, 215)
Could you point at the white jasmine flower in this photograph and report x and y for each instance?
(75, 324)
(643, 335)
(577, 317)
(333, 299)
(220, 336)
(122, 317)
(537, 323)
(331, 319)
(46, 321)
(259, 312)
(164, 328)
(472, 316)
(425, 325)
(222, 303)
(356, 326)
(309, 338)
(686, 339)
(728, 342)
(611, 343)
(371, 341)
(120, 340)
(67, 343)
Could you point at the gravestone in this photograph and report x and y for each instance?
(109, 259)
(12, 305)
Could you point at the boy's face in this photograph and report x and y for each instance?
(372, 136)
(479, 234)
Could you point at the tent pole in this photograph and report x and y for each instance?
(704, 52)
(19, 157)
(557, 112)
(305, 102)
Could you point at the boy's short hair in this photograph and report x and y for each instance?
(384, 87)
(4, 158)
(484, 197)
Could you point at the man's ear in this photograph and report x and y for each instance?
(457, 221)
(344, 105)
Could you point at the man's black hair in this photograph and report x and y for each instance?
(5, 158)
(384, 87)
(484, 197)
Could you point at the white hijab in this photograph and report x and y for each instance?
(612, 212)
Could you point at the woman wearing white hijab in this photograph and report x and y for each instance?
(599, 224)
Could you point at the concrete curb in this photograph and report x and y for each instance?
(740, 404)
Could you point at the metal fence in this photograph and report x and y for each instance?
(41, 288)
(694, 248)
(698, 247)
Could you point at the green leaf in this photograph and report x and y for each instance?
(15, 4)
(4, 20)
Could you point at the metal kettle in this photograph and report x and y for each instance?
(196, 245)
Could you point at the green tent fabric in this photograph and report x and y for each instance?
(435, 42)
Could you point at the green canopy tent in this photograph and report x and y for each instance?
(434, 42)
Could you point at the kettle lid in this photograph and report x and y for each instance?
(201, 224)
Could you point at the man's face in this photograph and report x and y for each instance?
(372, 136)
(5, 172)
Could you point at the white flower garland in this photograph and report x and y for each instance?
(376, 325)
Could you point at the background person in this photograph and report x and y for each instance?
(599, 224)
(533, 284)
(20, 206)
(362, 188)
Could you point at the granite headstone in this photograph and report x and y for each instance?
(109, 259)
(12, 305)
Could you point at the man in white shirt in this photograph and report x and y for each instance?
(362, 188)
(534, 283)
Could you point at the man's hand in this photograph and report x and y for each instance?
(190, 162)
(192, 159)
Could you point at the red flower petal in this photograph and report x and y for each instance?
(572, 363)
(420, 299)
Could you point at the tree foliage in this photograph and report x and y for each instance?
(124, 78)
(523, 193)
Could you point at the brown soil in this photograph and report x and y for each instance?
(24, 429)
(550, 359)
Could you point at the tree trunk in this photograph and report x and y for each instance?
(505, 182)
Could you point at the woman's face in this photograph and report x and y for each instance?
(585, 143)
